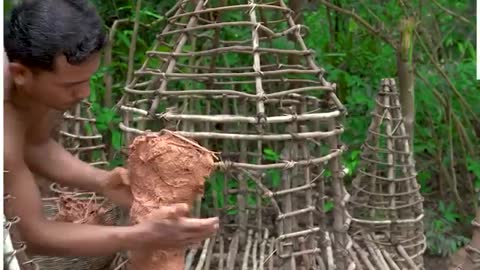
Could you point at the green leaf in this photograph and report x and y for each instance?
(117, 161)
(164, 48)
(88, 128)
(149, 13)
(218, 186)
(251, 183)
(251, 200)
(441, 206)
(423, 178)
(122, 35)
(274, 176)
(270, 154)
(231, 199)
(438, 225)
(328, 206)
(352, 26)
(117, 140)
(96, 155)
(474, 166)
(476, 184)
(232, 212)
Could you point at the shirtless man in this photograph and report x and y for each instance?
(54, 48)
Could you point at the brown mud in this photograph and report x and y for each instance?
(164, 169)
(74, 210)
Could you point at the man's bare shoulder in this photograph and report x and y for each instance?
(15, 126)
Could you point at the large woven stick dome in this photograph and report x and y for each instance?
(240, 80)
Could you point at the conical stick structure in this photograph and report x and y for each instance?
(386, 206)
(240, 80)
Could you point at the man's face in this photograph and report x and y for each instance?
(66, 86)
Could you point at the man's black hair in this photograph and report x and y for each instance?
(40, 30)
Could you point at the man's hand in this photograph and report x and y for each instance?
(170, 228)
(116, 187)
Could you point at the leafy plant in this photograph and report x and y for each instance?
(442, 238)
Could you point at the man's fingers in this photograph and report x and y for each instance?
(124, 176)
(182, 210)
(172, 211)
(117, 177)
(112, 182)
(194, 225)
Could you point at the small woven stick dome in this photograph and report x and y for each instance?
(239, 80)
(386, 206)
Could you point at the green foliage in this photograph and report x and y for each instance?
(474, 167)
(442, 238)
(328, 206)
(270, 155)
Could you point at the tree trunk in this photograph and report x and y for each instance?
(406, 77)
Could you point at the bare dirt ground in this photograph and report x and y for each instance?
(435, 263)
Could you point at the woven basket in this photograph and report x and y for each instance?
(50, 209)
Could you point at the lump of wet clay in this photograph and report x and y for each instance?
(164, 169)
(75, 210)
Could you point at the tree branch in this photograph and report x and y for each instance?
(361, 21)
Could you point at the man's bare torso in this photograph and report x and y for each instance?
(38, 128)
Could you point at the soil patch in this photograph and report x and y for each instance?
(435, 262)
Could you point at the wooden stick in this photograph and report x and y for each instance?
(170, 116)
(235, 49)
(247, 251)
(182, 76)
(203, 255)
(232, 252)
(330, 260)
(254, 251)
(222, 252)
(255, 137)
(363, 256)
(263, 246)
(228, 8)
(271, 253)
(405, 256)
(190, 258)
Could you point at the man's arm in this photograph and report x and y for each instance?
(55, 238)
(44, 236)
(51, 160)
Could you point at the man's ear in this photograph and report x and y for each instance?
(20, 75)
(7, 80)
